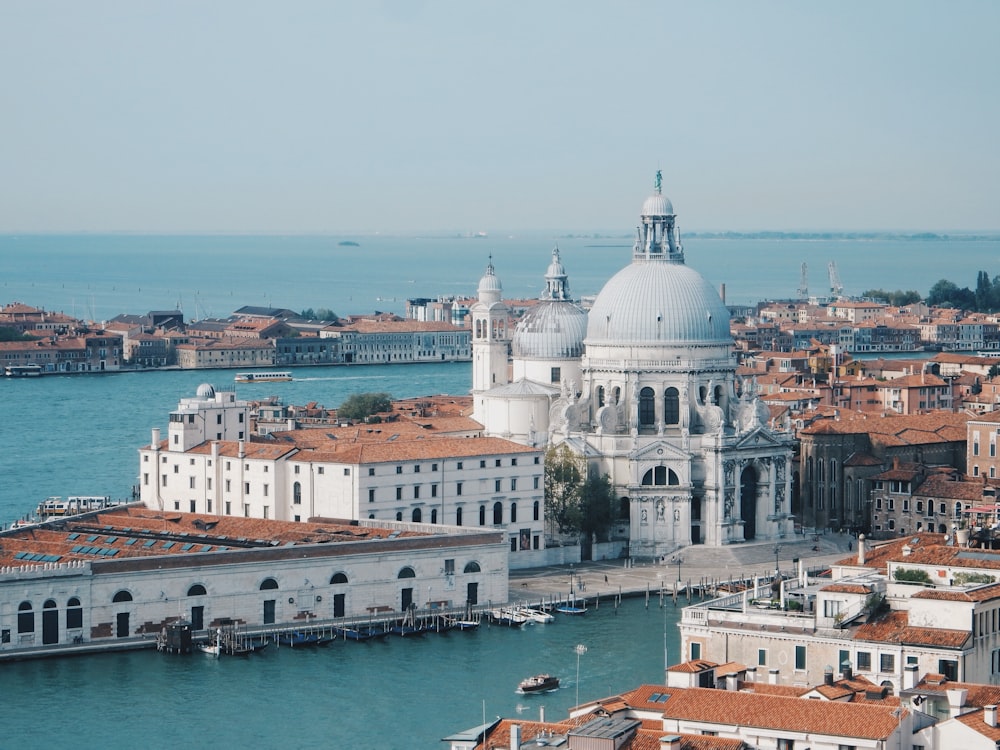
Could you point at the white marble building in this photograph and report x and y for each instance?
(645, 387)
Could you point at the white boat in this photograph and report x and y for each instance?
(262, 377)
(535, 615)
(22, 371)
(213, 646)
(55, 507)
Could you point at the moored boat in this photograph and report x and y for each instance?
(22, 371)
(507, 617)
(539, 683)
(535, 615)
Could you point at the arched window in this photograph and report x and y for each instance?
(672, 478)
(536, 509)
(399, 515)
(617, 393)
(458, 516)
(958, 510)
(647, 408)
(268, 584)
(482, 515)
(407, 572)
(647, 478)
(497, 513)
(513, 512)
(25, 618)
(717, 395)
(600, 396)
(197, 590)
(416, 515)
(297, 493)
(944, 509)
(122, 596)
(671, 406)
(371, 516)
(471, 567)
(338, 578)
(74, 614)
(434, 515)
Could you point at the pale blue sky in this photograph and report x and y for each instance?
(399, 115)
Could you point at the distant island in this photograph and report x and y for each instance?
(349, 243)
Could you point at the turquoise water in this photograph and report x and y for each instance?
(80, 435)
(404, 693)
(99, 276)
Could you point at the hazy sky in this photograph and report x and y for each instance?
(400, 115)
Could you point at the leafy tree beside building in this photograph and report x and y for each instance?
(575, 502)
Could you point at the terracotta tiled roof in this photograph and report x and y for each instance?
(865, 721)
(692, 667)
(847, 588)
(977, 694)
(137, 531)
(979, 594)
(878, 556)
(895, 628)
(975, 721)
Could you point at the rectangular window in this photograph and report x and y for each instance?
(887, 662)
(191, 484)
(297, 467)
(800, 657)
(459, 465)
(192, 506)
(416, 468)
(458, 488)
(513, 484)
(554, 375)
(246, 510)
(164, 478)
(399, 469)
(482, 464)
(176, 469)
(229, 508)
(496, 485)
(762, 657)
(498, 462)
(434, 490)
(513, 462)
(347, 472)
(371, 495)
(434, 467)
(246, 488)
(864, 661)
(416, 492)
(399, 493)
(695, 650)
(371, 471)
(319, 469)
(535, 481)
(266, 488)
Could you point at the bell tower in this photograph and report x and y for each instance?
(490, 339)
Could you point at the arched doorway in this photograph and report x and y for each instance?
(748, 502)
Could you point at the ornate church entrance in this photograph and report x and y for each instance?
(748, 502)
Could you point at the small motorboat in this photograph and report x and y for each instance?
(539, 683)
(535, 615)
(214, 650)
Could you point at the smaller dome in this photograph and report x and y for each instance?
(206, 391)
(490, 289)
(657, 205)
(552, 329)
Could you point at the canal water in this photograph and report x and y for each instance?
(404, 693)
(79, 436)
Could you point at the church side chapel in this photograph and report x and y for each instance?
(644, 387)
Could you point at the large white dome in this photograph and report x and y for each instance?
(657, 302)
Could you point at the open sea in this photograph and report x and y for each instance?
(79, 435)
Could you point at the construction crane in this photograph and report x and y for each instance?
(804, 282)
(836, 288)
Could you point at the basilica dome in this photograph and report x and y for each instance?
(654, 302)
(552, 329)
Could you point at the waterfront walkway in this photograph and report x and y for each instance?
(699, 566)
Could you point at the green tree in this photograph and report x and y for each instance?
(565, 474)
(322, 313)
(596, 500)
(364, 405)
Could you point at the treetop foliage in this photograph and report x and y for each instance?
(364, 405)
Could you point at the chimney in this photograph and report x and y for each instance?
(155, 441)
(751, 674)
(909, 677)
(907, 549)
(772, 676)
(242, 450)
(515, 737)
(670, 742)
(861, 549)
(846, 671)
(956, 702)
(827, 675)
(990, 716)
(732, 682)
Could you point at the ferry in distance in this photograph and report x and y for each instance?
(262, 377)
(22, 371)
